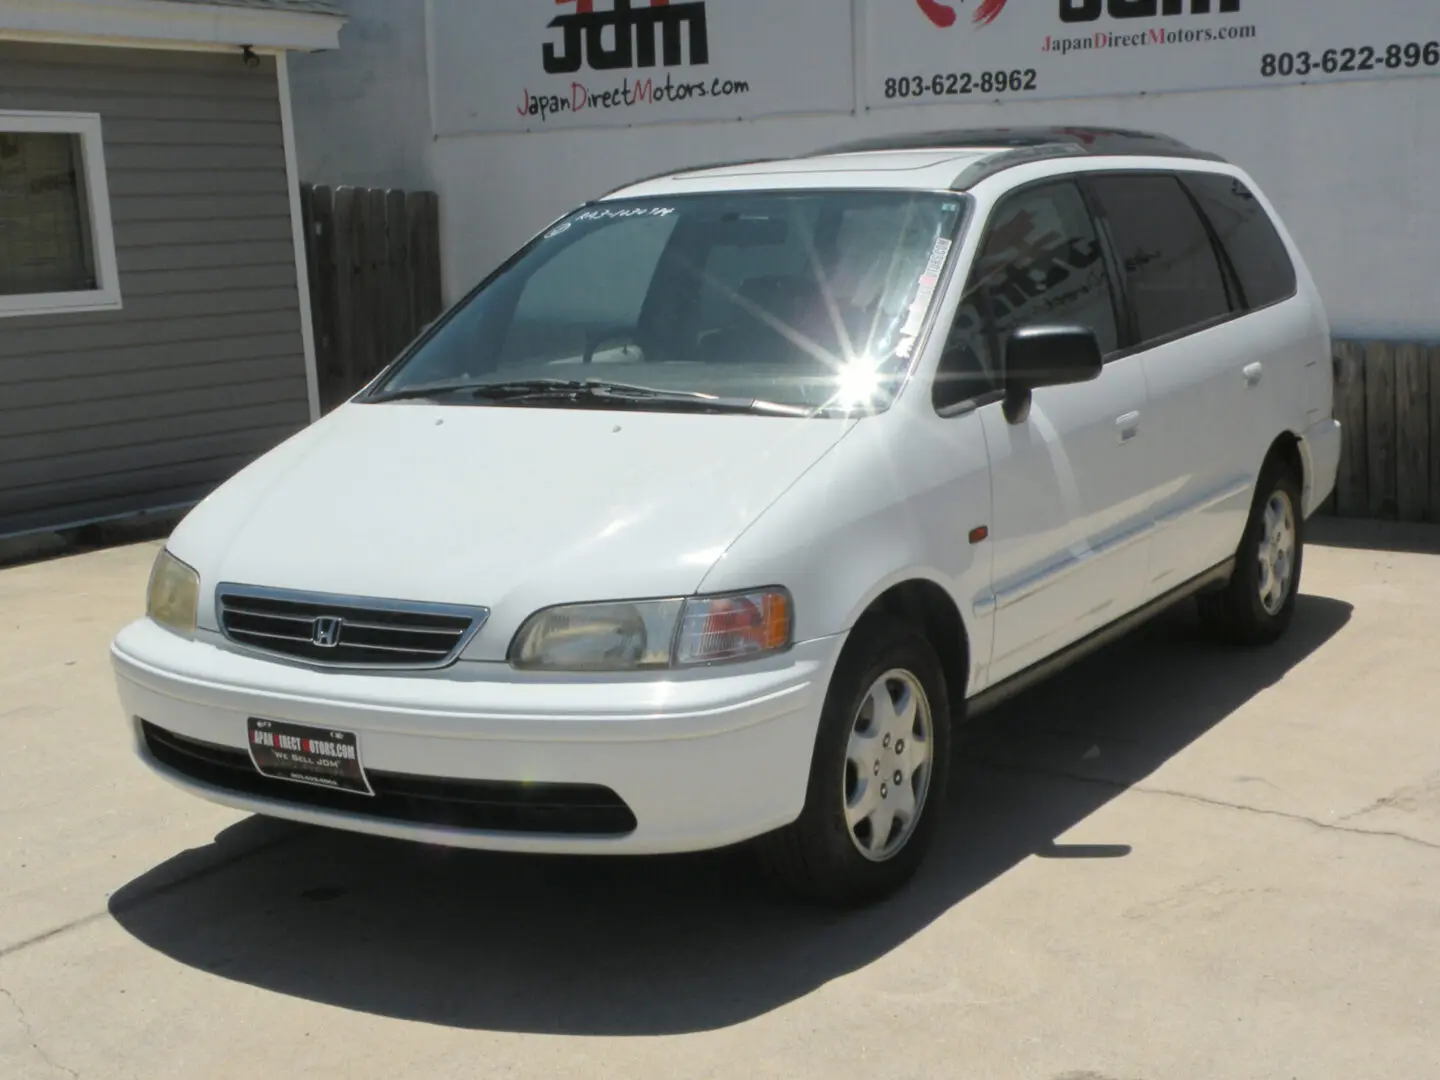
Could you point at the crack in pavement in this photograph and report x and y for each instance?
(1205, 800)
(29, 1033)
(1428, 786)
(46, 935)
(1379, 804)
(133, 902)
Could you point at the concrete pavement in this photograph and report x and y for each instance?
(1176, 860)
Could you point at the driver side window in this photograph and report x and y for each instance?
(1041, 262)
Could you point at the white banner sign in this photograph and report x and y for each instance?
(536, 65)
(933, 52)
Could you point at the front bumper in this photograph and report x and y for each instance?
(702, 758)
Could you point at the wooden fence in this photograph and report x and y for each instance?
(1387, 397)
(374, 259)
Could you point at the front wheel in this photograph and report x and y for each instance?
(1256, 607)
(877, 779)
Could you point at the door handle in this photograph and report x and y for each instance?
(1254, 373)
(1128, 426)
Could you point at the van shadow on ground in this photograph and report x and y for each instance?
(665, 946)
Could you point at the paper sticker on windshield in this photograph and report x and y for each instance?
(929, 282)
(937, 258)
(918, 310)
(916, 322)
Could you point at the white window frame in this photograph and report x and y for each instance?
(106, 296)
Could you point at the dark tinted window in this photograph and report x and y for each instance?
(1256, 251)
(1040, 262)
(1171, 271)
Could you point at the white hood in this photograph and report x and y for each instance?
(513, 509)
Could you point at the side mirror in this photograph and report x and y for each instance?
(1038, 356)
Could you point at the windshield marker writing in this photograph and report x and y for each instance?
(626, 212)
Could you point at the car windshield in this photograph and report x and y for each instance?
(806, 301)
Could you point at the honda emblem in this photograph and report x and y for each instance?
(327, 630)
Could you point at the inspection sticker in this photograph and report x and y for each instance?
(937, 258)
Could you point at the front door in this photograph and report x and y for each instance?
(1070, 522)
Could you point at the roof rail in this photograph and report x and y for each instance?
(987, 167)
(1020, 146)
(1091, 140)
(1027, 145)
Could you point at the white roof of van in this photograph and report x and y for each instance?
(922, 170)
(933, 161)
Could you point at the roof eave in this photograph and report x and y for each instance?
(160, 24)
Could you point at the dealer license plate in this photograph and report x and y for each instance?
(308, 755)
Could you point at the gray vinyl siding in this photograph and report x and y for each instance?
(110, 413)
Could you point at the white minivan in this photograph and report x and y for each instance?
(705, 517)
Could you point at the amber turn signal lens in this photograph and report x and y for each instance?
(737, 627)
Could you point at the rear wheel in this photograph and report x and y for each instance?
(1256, 607)
(877, 778)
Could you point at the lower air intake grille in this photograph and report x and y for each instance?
(346, 631)
(481, 805)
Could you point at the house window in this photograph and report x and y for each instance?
(57, 249)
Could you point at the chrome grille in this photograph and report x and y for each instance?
(346, 631)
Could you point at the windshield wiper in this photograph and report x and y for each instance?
(424, 390)
(497, 391)
(594, 391)
(527, 388)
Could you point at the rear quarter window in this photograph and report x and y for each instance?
(1173, 277)
(1261, 262)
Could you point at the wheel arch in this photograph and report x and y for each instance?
(1289, 449)
(928, 605)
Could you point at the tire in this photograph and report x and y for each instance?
(819, 856)
(1254, 608)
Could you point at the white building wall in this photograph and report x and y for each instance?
(1353, 167)
(362, 114)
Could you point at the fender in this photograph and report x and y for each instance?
(895, 501)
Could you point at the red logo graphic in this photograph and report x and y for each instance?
(943, 15)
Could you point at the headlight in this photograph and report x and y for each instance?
(598, 637)
(174, 594)
(651, 634)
